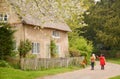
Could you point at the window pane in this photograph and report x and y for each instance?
(58, 49)
(35, 48)
(55, 33)
(5, 17)
(38, 47)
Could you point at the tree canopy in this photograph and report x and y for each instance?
(103, 21)
(6, 40)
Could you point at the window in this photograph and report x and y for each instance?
(3, 17)
(58, 49)
(55, 34)
(48, 50)
(35, 48)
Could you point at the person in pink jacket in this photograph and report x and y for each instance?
(102, 61)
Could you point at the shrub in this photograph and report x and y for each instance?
(53, 49)
(31, 56)
(74, 53)
(4, 64)
(113, 54)
(13, 61)
(24, 48)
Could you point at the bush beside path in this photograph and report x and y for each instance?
(111, 70)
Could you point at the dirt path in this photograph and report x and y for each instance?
(110, 71)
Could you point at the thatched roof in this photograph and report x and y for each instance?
(47, 24)
(31, 15)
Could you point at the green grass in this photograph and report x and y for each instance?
(10, 73)
(116, 61)
(117, 77)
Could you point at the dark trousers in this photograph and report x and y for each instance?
(92, 65)
(102, 67)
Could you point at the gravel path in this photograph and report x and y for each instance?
(110, 71)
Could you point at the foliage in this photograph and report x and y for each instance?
(4, 64)
(74, 53)
(6, 40)
(77, 44)
(53, 10)
(15, 53)
(114, 60)
(113, 54)
(10, 73)
(53, 48)
(74, 19)
(31, 56)
(104, 23)
(15, 65)
(24, 48)
(13, 62)
(81, 44)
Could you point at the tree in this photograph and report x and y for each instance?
(77, 44)
(81, 45)
(6, 40)
(24, 48)
(103, 23)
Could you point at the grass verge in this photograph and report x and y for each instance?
(11, 73)
(117, 77)
(116, 61)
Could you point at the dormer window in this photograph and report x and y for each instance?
(3, 17)
(55, 34)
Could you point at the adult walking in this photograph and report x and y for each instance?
(92, 59)
(102, 61)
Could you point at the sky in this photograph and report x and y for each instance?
(97, 0)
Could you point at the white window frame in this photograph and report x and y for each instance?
(35, 48)
(55, 34)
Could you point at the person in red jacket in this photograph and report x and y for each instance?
(102, 61)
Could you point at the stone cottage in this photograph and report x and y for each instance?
(30, 27)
